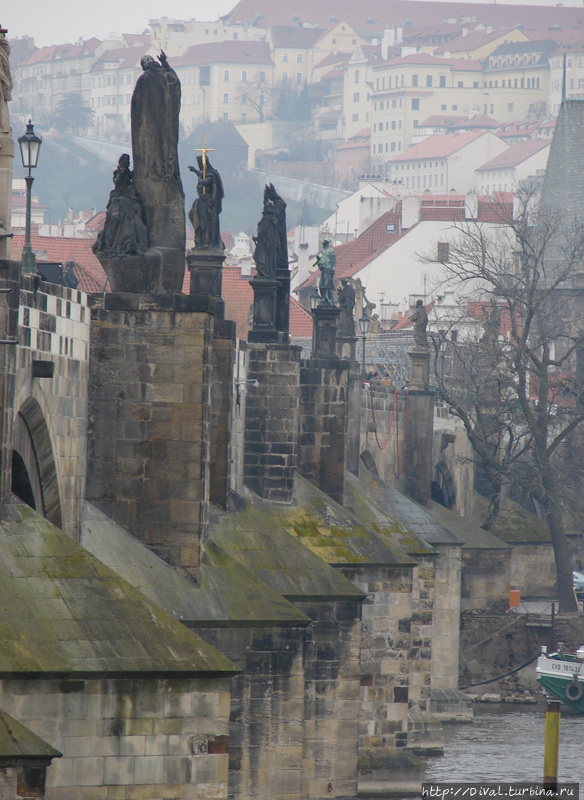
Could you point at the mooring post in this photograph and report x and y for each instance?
(552, 744)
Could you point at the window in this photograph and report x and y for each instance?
(299, 58)
(356, 76)
(225, 117)
(442, 108)
(414, 80)
(415, 104)
(455, 108)
(299, 78)
(355, 117)
(284, 77)
(393, 125)
(243, 118)
(393, 147)
(235, 36)
(460, 84)
(355, 97)
(204, 76)
(225, 98)
(285, 57)
(243, 99)
(428, 80)
(334, 41)
(226, 75)
(443, 252)
(509, 106)
(443, 81)
(390, 227)
(262, 77)
(244, 76)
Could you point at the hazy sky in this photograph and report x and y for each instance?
(58, 21)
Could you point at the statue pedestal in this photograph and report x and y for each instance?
(136, 274)
(283, 302)
(324, 339)
(205, 267)
(347, 347)
(420, 369)
(264, 311)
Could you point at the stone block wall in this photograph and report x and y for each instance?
(51, 413)
(222, 388)
(533, 569)
(323, 421)
(267, 710)
(331, 699)
(446, 617)
(149, 424)
(416, 411)
(271, 427)
(128, 738)
(485, 578)
(8, 321)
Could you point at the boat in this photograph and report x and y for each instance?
(562, 676)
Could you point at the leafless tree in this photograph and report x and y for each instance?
(522, 393)
(255, 93)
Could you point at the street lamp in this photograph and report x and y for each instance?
(364, 325)
(30, 144)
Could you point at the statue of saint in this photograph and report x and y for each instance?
(155, 113)
(271, 245)
(326, 263)
(204, 213)
(346, 297)
(420, 322)
(124, 232)
(5, 82)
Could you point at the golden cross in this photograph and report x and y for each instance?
(204, 150)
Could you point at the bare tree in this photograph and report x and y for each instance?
(255, 93)
(522, 376)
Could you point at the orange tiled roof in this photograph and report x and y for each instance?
(89, 271)
(438, 146)
(516, 154)
(234, 52)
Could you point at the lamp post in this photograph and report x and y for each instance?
(364, 325)
(30, 144)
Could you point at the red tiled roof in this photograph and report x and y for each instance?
(516, 154)
(439, 146)
(89, 271)
(449, 121)
(333, 58)
(426, 59)
(122, 57)
(405, 322)
(473, 40)
(233, 52)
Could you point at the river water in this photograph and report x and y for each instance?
(507, 744)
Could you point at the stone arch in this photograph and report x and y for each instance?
(34, 455)
(443, 489)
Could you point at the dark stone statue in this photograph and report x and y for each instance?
(271, 245)
(204, 213)
(420, 322)
(124, 232)
(155, 113)
(346, 298)
(5, 82)
(326, 263)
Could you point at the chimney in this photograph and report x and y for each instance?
(410, 211)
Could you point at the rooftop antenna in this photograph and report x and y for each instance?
(564, 79)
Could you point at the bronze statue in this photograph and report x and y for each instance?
(204, 213)
(420, 322)
(124, 232)
(155, 113)
(346, 297)
(271, 245)
(5, 82)
(326, 263)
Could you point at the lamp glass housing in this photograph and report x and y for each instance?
(364, 323)
(30, 145)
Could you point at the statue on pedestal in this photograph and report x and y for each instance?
(124, 232)
(204, 213)
(346, 298)
(420, 322)
(326, 262)
(271, 246)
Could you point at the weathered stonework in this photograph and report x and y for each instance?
(51, 413)
(323, 422)
(271, 432)
(128, 737)
(149, 420)
(222, 391)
